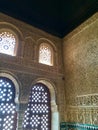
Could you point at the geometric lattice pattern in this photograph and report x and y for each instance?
(38, 115)
(45, 54)
(7, 43)
(8, 113)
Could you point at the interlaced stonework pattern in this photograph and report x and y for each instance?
(37, 115)
(7, 43)
(8, 114)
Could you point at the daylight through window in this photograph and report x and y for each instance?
(7, 43)
(46, 54)
(37, 115)
(8, 115)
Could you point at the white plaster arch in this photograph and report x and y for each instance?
(39, 41)
(54, 107)
(15, 82)
(7, 25)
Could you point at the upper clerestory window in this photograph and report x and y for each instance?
(8, 43)
(46, 54)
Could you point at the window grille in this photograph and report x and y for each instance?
(7, 43)
(8, 115)
(46, 54)
(38, 113)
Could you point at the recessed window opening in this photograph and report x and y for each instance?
(7, 43)
(46, 54)
(38, 113)
(8, 114)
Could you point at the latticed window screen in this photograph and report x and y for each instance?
(8, 113)
(38, 113)
(45, 54)
(7, 43)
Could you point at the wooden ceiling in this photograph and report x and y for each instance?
(57, 17)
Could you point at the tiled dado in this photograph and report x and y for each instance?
(77, 126)
(84, 110)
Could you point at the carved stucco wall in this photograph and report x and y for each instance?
(25, 67)
(80, 49)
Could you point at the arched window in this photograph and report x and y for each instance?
(8, 114)
(46, 54)
(7, 43)
(38, 113)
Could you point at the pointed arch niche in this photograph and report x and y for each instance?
(11, 78)
(54, 107)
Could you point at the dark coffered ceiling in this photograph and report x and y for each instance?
(58, 17)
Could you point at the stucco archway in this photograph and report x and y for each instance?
(54, 107)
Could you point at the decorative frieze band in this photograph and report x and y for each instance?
(87, 100)
(84, 109)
